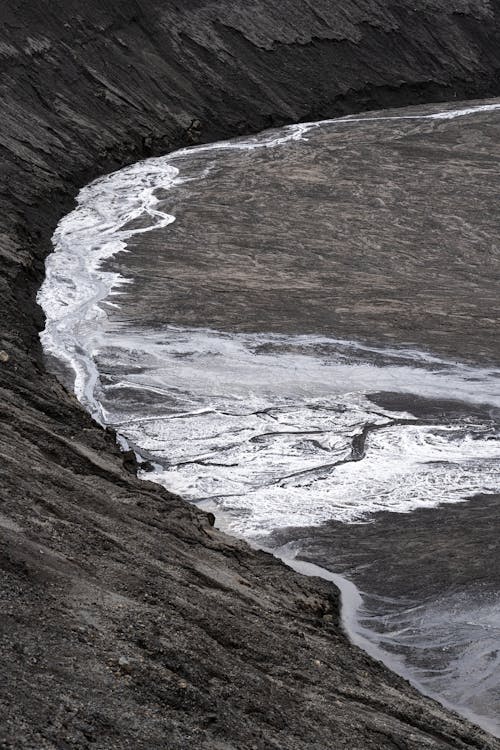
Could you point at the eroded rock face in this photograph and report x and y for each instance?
(127, 620)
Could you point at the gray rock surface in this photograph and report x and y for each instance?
(127, 620)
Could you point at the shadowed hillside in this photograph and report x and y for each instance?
(127, 620)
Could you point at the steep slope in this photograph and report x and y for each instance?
(127, 621)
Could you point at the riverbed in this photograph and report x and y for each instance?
(299, 332)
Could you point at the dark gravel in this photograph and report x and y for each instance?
(127, 621)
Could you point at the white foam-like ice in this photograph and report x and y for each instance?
(219, 436)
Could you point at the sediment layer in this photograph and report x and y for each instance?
(127, 620)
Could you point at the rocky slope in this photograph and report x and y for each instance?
(127, 620)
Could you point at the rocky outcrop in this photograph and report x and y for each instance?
(127, 620)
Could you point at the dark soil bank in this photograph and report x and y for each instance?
(127, 621)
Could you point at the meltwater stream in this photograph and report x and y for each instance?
(304, 442)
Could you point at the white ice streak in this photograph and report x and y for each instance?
(257, 369)
(273, 138)
(75, 283)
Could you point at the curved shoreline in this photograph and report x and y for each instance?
(113, 210)
(351, 600)
(98, 566)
